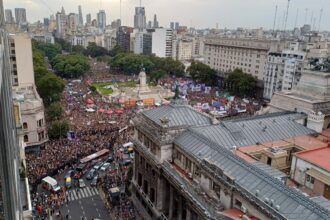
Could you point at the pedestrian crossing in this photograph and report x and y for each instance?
(76, 194)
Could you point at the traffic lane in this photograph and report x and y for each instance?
(86, 207)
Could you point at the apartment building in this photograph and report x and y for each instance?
(30, 105)
(185, 49)
(226, 54)
(184, 167)
(283, 71)
(162, 42)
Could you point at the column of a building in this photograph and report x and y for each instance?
(188, 215)
(180, 208)
(161, 194)
(170, 215)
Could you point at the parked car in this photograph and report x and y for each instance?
(126, 162)
(90, 175)
(105, 166)
(110, 159)
(98, 165)
(82, 183)
(95, 180)
(68, 182)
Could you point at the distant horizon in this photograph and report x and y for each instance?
(200, 14)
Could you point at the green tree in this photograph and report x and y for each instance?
(65, 45)
(92, 88)
(115, 51)
(156, 75)
(95, 51)
(58, 129)
(131, 63)
(78, 49)
(50, 88)
(241, 84)
(70, 66)
(49, 50)
(54, 111)
(202, 73)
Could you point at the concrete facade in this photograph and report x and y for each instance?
(226, 54)
(162, 42)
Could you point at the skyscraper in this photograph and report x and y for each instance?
(172, 25)
(156, 24)
(20, 15)
(101, 20)
(81, 20)
(88, 19)
(9, 16)
(140, 18)
(10, 203)
(61, 23)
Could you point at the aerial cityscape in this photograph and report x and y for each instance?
(160, 110)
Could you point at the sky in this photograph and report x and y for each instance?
(191, 13)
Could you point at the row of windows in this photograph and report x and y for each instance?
(39, 124)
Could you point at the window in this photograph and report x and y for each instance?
(26, 138)
(40, 122)
(238, 203)
(152, 195)
(310, 179)
(140, 179)
(25, 125)
(269, 161)
(216, 188)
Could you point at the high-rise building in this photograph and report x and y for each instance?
(73, 22)
(177, 25)
(156, 24)
(20, 16)
(124, 37)
(184, 50)
(140, 18)
(283, 71)
(61, 24)
(162, 42)
(81, 20)
(149, 24)
(9, 16)
(101, 20)
(88, 19)
(46, 22)
(172, 25)
(10, 194)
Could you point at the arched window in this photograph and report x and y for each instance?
(26, 138)
(25, 126)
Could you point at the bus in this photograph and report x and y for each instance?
(94, 156)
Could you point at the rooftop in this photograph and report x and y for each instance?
(177, 115)
(255, 130)
(318, 157)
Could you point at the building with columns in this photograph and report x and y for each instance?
(184, 167)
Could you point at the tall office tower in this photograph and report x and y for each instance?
(61, 24)
(10, 202)
(81, 20)
(9, 16)
(156, 24)
(46, 22)
(73, 22)
(140, 18)
(123, 37)
(88, 19)
(177, 25)
(149, 24)
(20, 15)
(172, 25)
(101, 20)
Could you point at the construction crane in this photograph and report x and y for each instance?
(286, 14)
(275, 19)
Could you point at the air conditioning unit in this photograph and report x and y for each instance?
(244, 209)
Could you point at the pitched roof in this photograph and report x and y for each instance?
(292, 204)
(255, 130)
(178, 115)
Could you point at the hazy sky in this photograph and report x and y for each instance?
(197, 13)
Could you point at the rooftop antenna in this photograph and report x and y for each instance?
(286, 14)
(295, 23)
(283, 22)
(275, 18)
(320, 18)
(306, 15)
(120, 12)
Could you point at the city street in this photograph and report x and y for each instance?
(84, 204)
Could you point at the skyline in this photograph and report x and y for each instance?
(218, 11)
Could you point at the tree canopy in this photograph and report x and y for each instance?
(58, 129)
(54, 111)
(49, 50)
(50, 88)
(241, 84)
(95, 51)
(70, 66)
(201, 72)
(131, 63)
